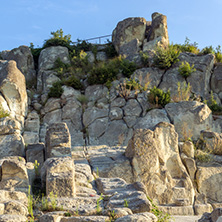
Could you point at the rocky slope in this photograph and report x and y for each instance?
(98, 160)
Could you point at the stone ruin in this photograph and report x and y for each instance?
(110, 154)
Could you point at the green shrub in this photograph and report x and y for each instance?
(188, 47)
(56, 90)
(161, 216)
(110, 50)
(58, 39)
(145, 59)
(73, 82)
(183, 92)
(207, 50)
(212, 104)
(186, 70)
(3, 113)
(127, 67)
(105, 71)
(158, 97)
(165, 58)
(218, 54)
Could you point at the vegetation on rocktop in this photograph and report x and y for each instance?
(186, 70)
(158, 97)
(3, 113)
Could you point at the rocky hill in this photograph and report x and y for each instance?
(124, 139)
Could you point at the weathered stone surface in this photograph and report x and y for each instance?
(140, 217)
(69, 93)
(137, 201)
(170, 81)
(96, 92)
(13, 88)
(77, 137)
(97, 129)
(45, 80)
(187, 148)
(130, 48)
(36, 152)
(72, 111)
(177, 210)
(115, 113)
(130, 120)
(12, 145)
(211, 142)
(91, 114)
(15, 208)
(24, 59)
(49, 55)
(132, 108)
(12, 218)
(216, 213)
(118, 102)
(200, 79)
(200, 209)
(32, 122)
(148, 76)
(52, 216)
(51, 105)
(58, 141)
(152, 118)
(158, 27)
(128, 30)
(157, 42)
(53, 117)
(30, 137)
(208, 182)
(14, 176)
(115, 134)
(86, 219)
(189, 118)
(18, 196)
(190, 165)
(110, 162)
(216, 79)
(155, 158)
(60, 177)
(119, 212)
(85, 205)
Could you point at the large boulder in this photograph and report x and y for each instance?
(208, 179)
(158, 27)
(216, 79)
(148, 77)
(60, 177)
(199, 80)
(12, 145)
(152, 118)
(128, 30)
(24, 59)
(47, 58)
(190, 118)
(14, 176)
(13, 89)
(155, 159)
(58, 141)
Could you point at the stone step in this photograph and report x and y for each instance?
(12, 218)
(177, 210)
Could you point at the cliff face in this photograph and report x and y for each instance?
(116, 133)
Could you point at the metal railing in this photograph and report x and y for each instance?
(99, 38)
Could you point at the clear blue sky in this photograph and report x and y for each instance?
(25, 21)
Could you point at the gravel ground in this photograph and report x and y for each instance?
(185, 218)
